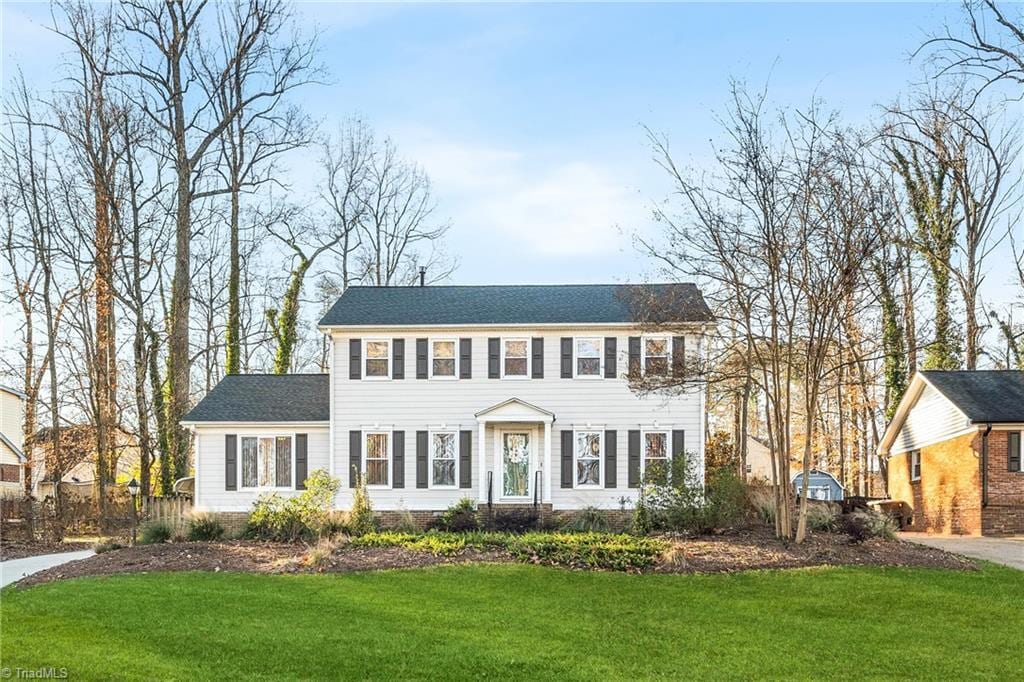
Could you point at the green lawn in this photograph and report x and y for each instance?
(523, 622)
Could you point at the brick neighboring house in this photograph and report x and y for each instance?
(954, 452)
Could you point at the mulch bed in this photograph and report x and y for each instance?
(759, 549)
(739, 551)
(19, 549)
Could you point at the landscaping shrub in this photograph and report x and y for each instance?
(361, 520)
(107, 545)
(513, 521)
(588, 550)
(822, 517)
(573, 550)
(405, 523)
(333, 525)
(861, 526)
(588, 520)
(461, 517)
(301, 517)
(204, 527)
(154, 533)
(319, 555)
(674, 499)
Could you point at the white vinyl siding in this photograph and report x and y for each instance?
(412, 406)
(209, 452)
(933, 419)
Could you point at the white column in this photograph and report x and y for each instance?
(547, 463)
(482, 460)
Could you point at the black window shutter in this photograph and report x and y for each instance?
(465, 358)
(678, 443)
(493, 358)
(537, 348)
(398, 459)
(230, 462)
(465, 459)
(678, 356)
(567, 459)
(1013, 450)
(633, 458)
(355, 358)
(421, 459)
(397, 358)
(566, 358)
(301, 460)
(611, 449)
(611, 353)
(421, 358)
(355, 457)
(634, 356)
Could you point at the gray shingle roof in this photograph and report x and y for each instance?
(265, 398)
(517, 304)
(983, 395)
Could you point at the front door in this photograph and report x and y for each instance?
(516, 449)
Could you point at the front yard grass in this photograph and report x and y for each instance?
(524, 622)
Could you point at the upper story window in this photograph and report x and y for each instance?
(443, 358)
(656, 355)
(588, 357)
(443, 459)
(588, 458)
(377, 359)
(915, 465)
(267, 461)
(515, 358)
(378, 458)
(656, 457)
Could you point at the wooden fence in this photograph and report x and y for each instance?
(174, 511)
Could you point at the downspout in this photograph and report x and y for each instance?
(984, 465)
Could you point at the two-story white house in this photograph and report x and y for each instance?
(509, 395)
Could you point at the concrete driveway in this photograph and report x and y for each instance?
(1008, 551)
(14, 570)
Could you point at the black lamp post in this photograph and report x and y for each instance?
(133, 490)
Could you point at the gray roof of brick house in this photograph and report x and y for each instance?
(983, 395)
(518, 304)
(265, 398)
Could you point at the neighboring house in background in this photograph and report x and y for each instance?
(759, 461)
(12, 456)
(821, 485)
(515, 395)
(78, 454)
(954, 452)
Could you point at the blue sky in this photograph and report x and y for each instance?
(529, 117)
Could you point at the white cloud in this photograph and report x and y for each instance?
(565, 207)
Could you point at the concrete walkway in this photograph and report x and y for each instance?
(1007, 551)
(16, 569)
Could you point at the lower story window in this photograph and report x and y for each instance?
(377, 458)
(588, 458)
(656, 459)
(442, 459)
(266, 461)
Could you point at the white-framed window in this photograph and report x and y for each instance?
(515, 358)
(587, 353)
(589, 448)
(377, 458)
(267, 461)
(656, 452)
(444, 358)
(377, 358)
(656, 355)
(444, 459)
(915, 465)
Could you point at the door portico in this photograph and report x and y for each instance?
(526, 430)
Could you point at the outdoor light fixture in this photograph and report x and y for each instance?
(133, 487)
